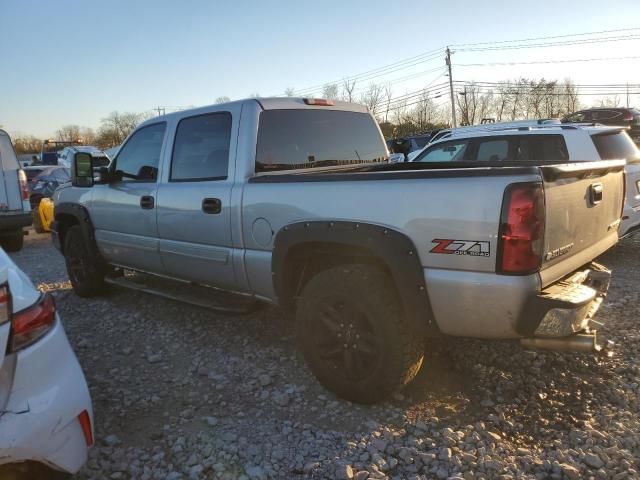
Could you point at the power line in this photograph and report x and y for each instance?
(390, 68)
(552, 44)
(546, 61)
(547, 37)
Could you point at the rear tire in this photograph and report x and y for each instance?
(83, 267)
(13, 242)
(354, 336)
(37, 222)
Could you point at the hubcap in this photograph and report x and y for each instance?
(345, 339)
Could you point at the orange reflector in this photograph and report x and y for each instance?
(323, 102)
(85, 423)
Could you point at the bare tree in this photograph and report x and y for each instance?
(387, 94)
(26, 144)
(117, 126)
(330, 91)
(613, 101)
(424, 112)
(223, 99)
(289, 91)
(371, 97)
(68, 133)
(467, 103)
(347, 90)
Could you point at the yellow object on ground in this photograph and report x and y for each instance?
(43, 216)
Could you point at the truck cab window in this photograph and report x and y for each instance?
(201, 148)
(138, 159)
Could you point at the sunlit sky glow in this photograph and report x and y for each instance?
(72, 61)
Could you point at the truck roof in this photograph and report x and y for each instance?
(268, 103)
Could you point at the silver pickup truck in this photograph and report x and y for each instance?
(293, 202)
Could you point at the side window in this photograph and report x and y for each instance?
(541, 148)
(138, 159)
(493, 150)
(446, 152)
(201, 148)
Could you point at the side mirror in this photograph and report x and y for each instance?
(82, 170)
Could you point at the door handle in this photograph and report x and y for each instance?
(212, 205)
(147, 202)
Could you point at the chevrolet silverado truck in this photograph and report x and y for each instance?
(292, 201)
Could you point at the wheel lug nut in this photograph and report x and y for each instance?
(355, 346)
(346, 346)
(339, 335)
(357, 336)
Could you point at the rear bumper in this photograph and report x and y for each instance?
(10, 222)
(486, 305)
(567, 306)
(48, 393)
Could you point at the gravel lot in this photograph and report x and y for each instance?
(184, 393)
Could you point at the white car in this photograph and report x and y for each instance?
(498, 144)
(46, 418)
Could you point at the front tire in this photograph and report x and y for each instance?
(354, 336)
(83, 267)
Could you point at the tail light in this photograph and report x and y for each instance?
(85, 424)
(28, 325)
(24, 185)
(628, 117)
(521, 234)
(5, 303)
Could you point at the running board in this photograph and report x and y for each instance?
(193, 294)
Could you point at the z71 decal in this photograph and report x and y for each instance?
(474, 248)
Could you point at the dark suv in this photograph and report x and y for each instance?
(627, 117)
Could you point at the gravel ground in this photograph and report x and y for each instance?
(183, 393)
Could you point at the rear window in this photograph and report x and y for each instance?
(541, 147)
(291, 139)
(617, 145)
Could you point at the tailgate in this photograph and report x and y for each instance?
(583, 204)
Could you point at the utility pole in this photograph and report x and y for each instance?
(627, 95)
(453, 100)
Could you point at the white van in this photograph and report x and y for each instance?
(15, 211)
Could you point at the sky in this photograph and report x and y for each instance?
(75, 61)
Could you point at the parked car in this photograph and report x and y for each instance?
(626, 117)
(559, 143)
(44, 184)
(292, 201)
(32, 172)
(15, 212)
(100, 158)
(46, 419)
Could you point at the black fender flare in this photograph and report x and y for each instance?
(393, 248)
(81, 214)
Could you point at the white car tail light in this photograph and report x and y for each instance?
(28, 325)
(24, 184)
(5, 303)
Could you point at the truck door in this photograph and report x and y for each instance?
(124, 211)
(194, 200)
